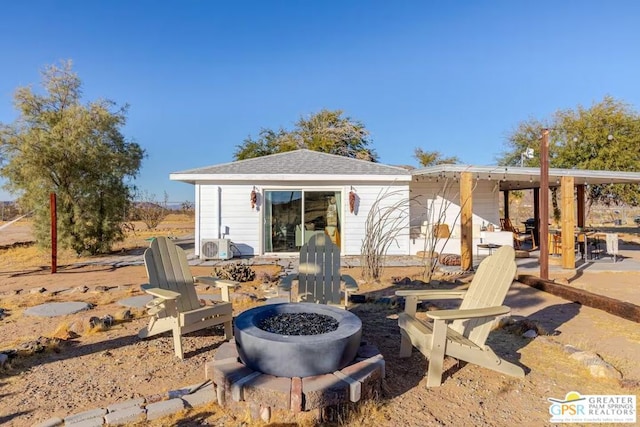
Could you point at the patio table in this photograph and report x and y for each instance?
(489, 246)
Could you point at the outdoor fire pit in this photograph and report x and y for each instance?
(297, 340)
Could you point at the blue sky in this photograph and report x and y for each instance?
(201, 76)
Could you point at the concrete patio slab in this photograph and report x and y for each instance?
(54, 309)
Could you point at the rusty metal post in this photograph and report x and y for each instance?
(54, 233)
(544, 205)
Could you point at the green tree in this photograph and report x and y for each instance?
(326, 131)
(432, 158)
(605, 136)
(77, 151)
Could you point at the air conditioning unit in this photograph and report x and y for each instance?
(216, 249)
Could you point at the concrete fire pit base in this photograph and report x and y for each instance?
(237, 386)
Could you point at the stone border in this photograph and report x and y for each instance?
(236, 385)
(140, 409)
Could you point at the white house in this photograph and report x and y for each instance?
(273, 204)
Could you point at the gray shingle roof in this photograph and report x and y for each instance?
(305, 162)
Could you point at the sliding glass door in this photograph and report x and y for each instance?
(291, 217)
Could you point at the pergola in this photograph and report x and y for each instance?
(571, 182)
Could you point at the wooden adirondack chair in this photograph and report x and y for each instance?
(319, 279)
(176, 306)
(461, 333)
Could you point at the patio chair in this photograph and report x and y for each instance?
(519, 237)
(611, 240)
(176, 306)
(319, 279)
(461, 333)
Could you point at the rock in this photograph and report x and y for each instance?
(265, 413)
(604, 370)
(101, 288)
(3, 313)
(155, 398)
(243, 296)
(530, 334)
(3, 359)
(597, 367)
(37, 346)
(107, 320)
(77, 327)
(570, 349)
(81, 289)
(124, 315)
(38, 290)
(404, 281)
(96, 323)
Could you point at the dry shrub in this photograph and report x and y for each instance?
(362, 414)
(210, 414)
(63, 332)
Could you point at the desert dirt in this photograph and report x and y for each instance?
(88, 368)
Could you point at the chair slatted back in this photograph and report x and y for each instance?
(319, 270)
(167, 268)
(611, 240)
(488, 288)
(507, 225)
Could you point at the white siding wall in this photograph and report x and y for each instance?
(244, 224)
(207, 223)
(225, 212)
(356, 223)
(429, 197)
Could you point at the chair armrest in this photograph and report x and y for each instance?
(349, 282)
(160, 293)
(214, 281)
(429, 294)
(469, 313)
(223, 284)
(287, 281)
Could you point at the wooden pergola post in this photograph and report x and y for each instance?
(466, 221)
(568, 222)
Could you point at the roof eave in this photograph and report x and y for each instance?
(193, 178)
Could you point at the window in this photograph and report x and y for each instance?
(291, 217)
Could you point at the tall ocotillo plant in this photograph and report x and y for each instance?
(436, 210)
(385, 222)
